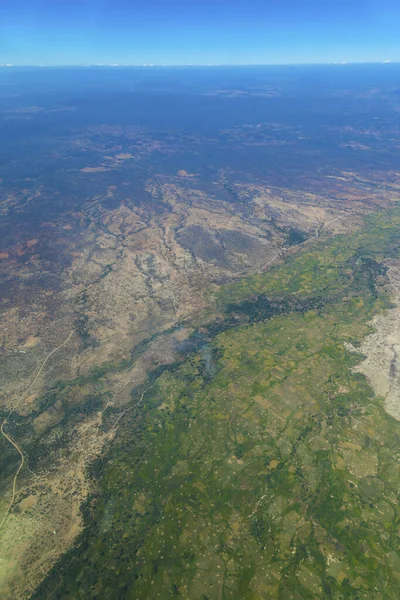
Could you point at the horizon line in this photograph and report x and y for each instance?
(191, 65)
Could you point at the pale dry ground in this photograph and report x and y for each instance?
(46, 518)
(12, 411)
(162, 267)
(382, 349)
(156, 279)
(159, 280)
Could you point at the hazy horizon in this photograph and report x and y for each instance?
(198, 65)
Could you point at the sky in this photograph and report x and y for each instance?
(198, 32)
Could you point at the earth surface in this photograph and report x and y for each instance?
(200, 333)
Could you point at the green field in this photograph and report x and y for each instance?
(262, 467)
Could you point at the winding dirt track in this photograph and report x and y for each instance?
(8, 438)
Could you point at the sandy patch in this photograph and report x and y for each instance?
(31, 342)
(94, 170)
(183, 173)
(27, 503)
(382, 349)
(124, 156)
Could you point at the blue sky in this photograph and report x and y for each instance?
(67, 32)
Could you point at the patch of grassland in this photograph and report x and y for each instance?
(325, 268)
(275, 478)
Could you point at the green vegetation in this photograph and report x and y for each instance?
(346, 262)
(262, 468)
